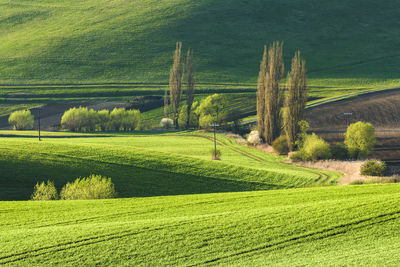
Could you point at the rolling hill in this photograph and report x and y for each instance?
(140, 166)
(52, 41)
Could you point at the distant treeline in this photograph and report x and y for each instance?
(84, 119)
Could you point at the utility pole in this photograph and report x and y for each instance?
(39, 108)
(215, 138)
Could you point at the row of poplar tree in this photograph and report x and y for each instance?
(271, 98)
(176, 81)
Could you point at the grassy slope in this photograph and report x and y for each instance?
(346, 44)
(140, 166)
(319, 226)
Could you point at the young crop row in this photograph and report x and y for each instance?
(315, 226)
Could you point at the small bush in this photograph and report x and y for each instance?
(360, 139)
(166, 123)
(92, 187)
(280, 145)
(339, 151)
(357, 182)
(373, 168)
(215, 154)
(314, 148)
(21, 120)
(44, 191)
(298, 156)
(254, 138)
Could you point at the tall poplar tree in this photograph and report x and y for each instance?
(175, 82)
(261, 94)
(296, 99)
(166, 106)
(190, 84)
(273, 94)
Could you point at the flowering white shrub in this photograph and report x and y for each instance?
(254, 138)
(166, 123)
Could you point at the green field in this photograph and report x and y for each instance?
(331, 226)
(175, 206)
(53, 50)
(146, 164)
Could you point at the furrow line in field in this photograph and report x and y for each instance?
(11, 258)
(325, 233)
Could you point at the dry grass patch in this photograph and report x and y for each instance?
(351, 169)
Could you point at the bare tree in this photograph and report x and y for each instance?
(296, 99)
(273, 94)
(166, 106)
(190, 84)
(261, 94)
(175, 82)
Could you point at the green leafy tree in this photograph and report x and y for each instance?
(93, 120)
(360, 139)
(75, 119)
(104, 119)
(21, 120)
(212, 110)
(44, 191)
(183, 117)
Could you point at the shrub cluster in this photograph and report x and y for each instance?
(83, 119)
(373, 168)
(280, 145)
(359, 142)
(314, 148)
(21, 120)
(92, 187)
(339, 151)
